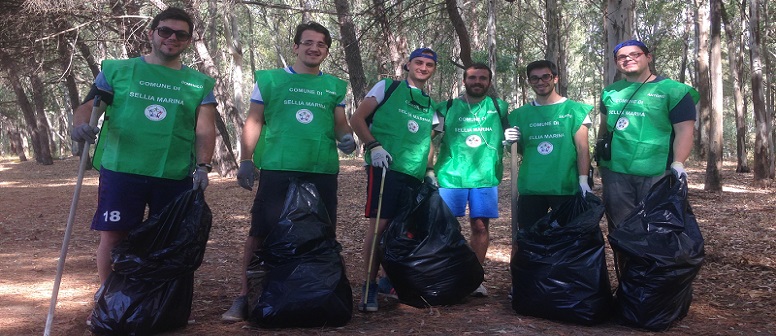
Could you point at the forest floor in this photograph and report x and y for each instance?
(733, 294)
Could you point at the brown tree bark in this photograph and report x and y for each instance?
(762, 120)
(392, 44)
(736, 61)
(703, 79)
(556, 44)
(713, 181)
(618, 26)
(352, 51)
(460, 31)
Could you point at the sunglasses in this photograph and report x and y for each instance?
(413, 102)
(166, 32)
(544, 78)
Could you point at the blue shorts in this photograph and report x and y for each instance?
(483, 202)
(122, 198)
(395, 184)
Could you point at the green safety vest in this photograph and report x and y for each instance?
(298, 134)
(403, 129)
(642, 134)
(149, 128)
(549, 164)
(470, 153)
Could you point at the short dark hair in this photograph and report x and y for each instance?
(478, 66)
(541, 64)
(173, 13)
(314, 26)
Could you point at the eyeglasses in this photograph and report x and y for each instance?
(633, 56)
(310, 43)
(544, 78)
(166, 32)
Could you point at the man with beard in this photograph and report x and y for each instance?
(294, 126)
(395, 122)
(551, 133)
(158, 136)
(469, 164)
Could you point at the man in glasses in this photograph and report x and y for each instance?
(469, 164)
(295, 124)
(551, 133)
(395, 122)
(651, 120)
(158, 136)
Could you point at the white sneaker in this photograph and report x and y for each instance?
(480, 292)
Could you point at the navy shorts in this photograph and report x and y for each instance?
(122, 198)
(271, 197)
(395, 183)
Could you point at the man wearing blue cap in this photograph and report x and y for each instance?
(649, 120)
(395, 122)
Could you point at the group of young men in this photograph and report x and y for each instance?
(159, 134)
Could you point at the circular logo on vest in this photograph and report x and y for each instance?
(304, 116)
(622, 124)
(473, 141)
(544, 148)
(413, 126)
(155, 112)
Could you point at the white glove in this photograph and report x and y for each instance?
(347, 144)
(678, 169)
(431, 177)
(84, 132)
(200, 179)
(512, 135)
(380, 158)
(583, 186)
(246, 174)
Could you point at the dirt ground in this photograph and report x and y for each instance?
(734, 292)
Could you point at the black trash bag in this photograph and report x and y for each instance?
(425, 255)
(151, 287)
(660, 249)
(559, 271)
(304, 284)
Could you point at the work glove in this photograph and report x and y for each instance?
(380, 157)
(431, 177)
(347, 144)
(512, 135)
(584, 187)
(85, 132)
(678, 169)
(246, 174)
(200, 178)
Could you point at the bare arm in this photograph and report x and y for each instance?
(206, 133)
(251, 131)
(341, 126)
(583, 150)
(358, 120)
(83, 112)
(683, 140)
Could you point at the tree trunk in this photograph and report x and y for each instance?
(713, 180)
(618, 26)
(128, 13)
(492, 53)
(391, 44)
(555, 44)
(460, 31)
(736, 61)
(17, 147)
(762, 121)
(702, 66)
(352, 51)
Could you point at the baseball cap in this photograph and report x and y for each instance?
(420, 53)
(631, 43)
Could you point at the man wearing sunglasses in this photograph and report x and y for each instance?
(295, 124)
(395, 122)
(651, 120)
(469, 164)
(551, 133)
(158, 135)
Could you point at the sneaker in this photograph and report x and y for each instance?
(371, 298)
(238, 311)
(509, 295)
(89, 320)
(480, 292)
(385, 287)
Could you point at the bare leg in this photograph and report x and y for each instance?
(108, 240)
(251, 245)
(480, 237)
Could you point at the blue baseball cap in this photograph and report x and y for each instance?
(631, 43)
(420, 53)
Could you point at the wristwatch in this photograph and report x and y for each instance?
(208, 166)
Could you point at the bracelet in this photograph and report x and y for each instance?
(371, 144)
(207, 166)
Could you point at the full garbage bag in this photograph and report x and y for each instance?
(304, 283)
(151, 287)
(660, 251)
(559, 271)
(425, 255)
